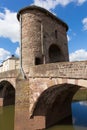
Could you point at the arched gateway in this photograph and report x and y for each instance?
(7, 93)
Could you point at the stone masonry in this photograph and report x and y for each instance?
(43, 37)
(46, 82)
(51, 81)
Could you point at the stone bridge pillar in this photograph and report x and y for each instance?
(22, 105)
(23, 119)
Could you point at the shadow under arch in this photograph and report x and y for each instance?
(54, 104)
(55, 54)
(7, 93)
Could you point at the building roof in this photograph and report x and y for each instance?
(44, 11)
(11, 58)
(1, 65)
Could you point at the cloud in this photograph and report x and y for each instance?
(83, 103)
(68, 38)
(78, 55)
(4, 54)
(53, 3)
(81, 1)
(45, 3)
(17, 52)
(84, 21)
(9, 26)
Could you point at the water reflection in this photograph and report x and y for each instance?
(7, 118)
(79, 112)
(65, 124)
(78, 120)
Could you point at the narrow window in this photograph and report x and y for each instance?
(56, 34)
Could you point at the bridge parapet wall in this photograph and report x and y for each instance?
(73, 70)
(9, 74)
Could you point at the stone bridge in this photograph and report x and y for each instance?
(45, 95)
(7, 87)
(49, 90)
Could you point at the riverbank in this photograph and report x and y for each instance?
(81, 95)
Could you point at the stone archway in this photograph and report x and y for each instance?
(54, 104)
(55, 54)
(7, 93)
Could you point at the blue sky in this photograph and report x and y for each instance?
(73, 12)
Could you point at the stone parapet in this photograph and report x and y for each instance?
(9, 74)
(76, 70)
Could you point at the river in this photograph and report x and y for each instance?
(78, 121)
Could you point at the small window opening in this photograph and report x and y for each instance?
(56, 34)
(37, 61)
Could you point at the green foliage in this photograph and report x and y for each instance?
(81, 95)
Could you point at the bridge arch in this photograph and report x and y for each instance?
(54, 104)
(7, 93)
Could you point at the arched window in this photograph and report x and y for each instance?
(55, 54)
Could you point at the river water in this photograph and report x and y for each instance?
(78, 121)
(7, 118)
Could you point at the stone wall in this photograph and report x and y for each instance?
(10, 74)
(39, 31)
(22, 105)
(73, 70)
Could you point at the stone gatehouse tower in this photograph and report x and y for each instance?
(43, 41)
(43, 37)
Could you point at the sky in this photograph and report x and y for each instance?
(72, 12)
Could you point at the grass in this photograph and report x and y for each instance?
(81, 95)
